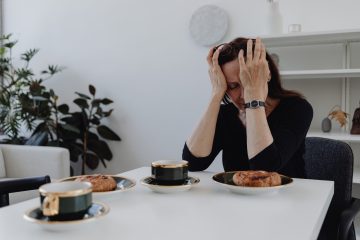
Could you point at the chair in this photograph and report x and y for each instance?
(19, 185)
(19, 161)
(327, 159)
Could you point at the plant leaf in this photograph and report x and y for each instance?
(82, 103)
(106, 101)
(28, 55)
(10, 44)
(103, 162)
(54, 69)
(99, 112)
(5, 37)
(83, 95)
(92, 161)
(101, 148)
(71, 128)
(95, 102)
(2, 51)
(67, 135)
(39, 98)
(92, 90)
(95, 121)
(75, 151)
(63, 108)
(76, 119)
(108, 113)
(107, 133)
(92, 136)
(52, 93)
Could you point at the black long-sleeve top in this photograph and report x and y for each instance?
(288, 123)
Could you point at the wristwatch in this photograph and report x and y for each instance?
(254, 104)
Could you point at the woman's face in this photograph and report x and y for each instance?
(234, 90)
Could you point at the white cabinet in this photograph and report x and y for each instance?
(325, 67)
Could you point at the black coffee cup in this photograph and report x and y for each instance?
(169, 172)
(65, 200)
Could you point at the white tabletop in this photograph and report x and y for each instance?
(207, 211)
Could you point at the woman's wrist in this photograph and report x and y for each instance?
(217, 97)
(254, 94)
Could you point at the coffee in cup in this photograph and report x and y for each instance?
(169, 172)
(65, 200)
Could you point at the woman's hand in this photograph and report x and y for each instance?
(254, 72)
(217, 77)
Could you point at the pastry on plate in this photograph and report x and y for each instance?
(256, 178)
(99, 182)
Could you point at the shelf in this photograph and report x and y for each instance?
(346, 137)
(311, 38)
(341, 37)
(326, 73)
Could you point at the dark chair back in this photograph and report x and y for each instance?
(19, 185)
(327, 159)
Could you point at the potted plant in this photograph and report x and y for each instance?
(82, 132)
(23, 97)
(26, 103)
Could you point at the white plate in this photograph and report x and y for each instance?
(96, 211)
(156, 187)
(224, 179)
(123, 184)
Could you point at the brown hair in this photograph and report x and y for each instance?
(230, 52)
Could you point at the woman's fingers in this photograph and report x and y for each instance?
(242, 60)
(263, 52)
(210, 55)
(242, 65)
(258, 48)
(249, 54)
(215, 57)
(263, 59)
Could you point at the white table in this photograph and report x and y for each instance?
(205, 212)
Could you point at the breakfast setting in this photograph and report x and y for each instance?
(179, 120)
(68, 202)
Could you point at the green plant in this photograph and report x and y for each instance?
(23, 98)
(87, 142)
(26, 103)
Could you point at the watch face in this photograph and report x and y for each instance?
(254, 103)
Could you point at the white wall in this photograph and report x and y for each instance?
(140, 54)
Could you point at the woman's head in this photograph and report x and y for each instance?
(230, 52)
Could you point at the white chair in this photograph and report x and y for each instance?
(19, 161)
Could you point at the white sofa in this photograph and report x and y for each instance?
(18, 161)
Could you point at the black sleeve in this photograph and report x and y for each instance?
(291, 129)
(202, 163)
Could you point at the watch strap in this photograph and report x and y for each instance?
(255, 104)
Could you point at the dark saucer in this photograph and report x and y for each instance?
(95, 210)
(155, 182)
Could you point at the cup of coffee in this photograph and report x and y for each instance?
(169, 172)
(65, 200)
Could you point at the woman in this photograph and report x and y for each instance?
(261, 126)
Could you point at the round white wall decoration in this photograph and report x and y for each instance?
(208, 25)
